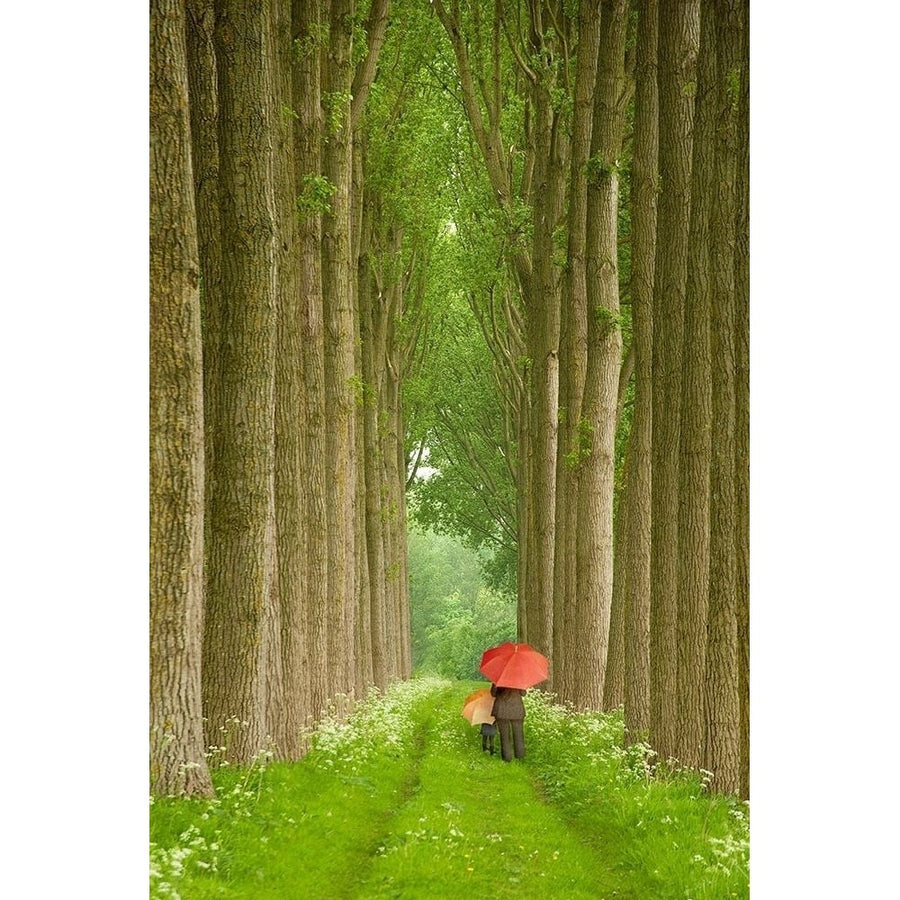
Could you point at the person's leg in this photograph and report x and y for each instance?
(518, 737)
(506, 749)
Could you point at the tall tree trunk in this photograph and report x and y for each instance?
(678, 46)
(203, 81)
(361, 616)
(723, 757)
(289, 471)
(307, 22)
(614, 683)
(693, 507)
(177, 761)
(573, 345)
(597, 478)
(340, 374)
(542, 306)
(524, 502)
(742, 405)
(394, 459)
(203, 88)
(376, 519)
(403, 554)
(241, 556)
(638, 492)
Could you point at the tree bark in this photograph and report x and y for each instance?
(742, 405)
(638, 492)
(542, 307)
(573, 345)
(341, 382)
(678, 45)
(177, 761)
(723, 757)
(376, 518)
(693, 507)
(614, 683)
(594, 541)
(307, 21)
(241, 557)
(292, 583)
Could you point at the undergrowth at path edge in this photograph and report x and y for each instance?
(400, 802)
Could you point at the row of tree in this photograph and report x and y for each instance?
(522, 247)
(602, 202)
(286, 286)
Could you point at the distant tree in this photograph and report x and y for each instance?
(472, 493)
(486, 78)
(464, 629)
(439, 566)
(177, 761)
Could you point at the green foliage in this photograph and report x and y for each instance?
(316, 40)
(454, 615)
(336, 105)
(361, 390)
(360, 40)
(608, 320)
(598, 167)
(561, 245)
(583, 444)
(460, 412)
(316, 192)
(456, 641)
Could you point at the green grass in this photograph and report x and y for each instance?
(400, 802)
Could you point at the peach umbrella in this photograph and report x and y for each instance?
(477, 707)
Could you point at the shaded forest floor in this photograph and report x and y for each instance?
(401, 802)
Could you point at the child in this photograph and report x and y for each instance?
(488, 730)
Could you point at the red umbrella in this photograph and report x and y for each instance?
(514, 665)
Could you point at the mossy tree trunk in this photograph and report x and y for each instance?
(573, 344)
(638, 494)
(241, 558)
(177, 761)
(678, 46)
(723, 752)
(742, 402)
(341, 379)
(594, 540)
(290, 671)
(693, 473)
(307, 23)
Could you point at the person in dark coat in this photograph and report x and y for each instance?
(509, 716)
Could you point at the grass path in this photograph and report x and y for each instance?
(476, 826)
(401, 802)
